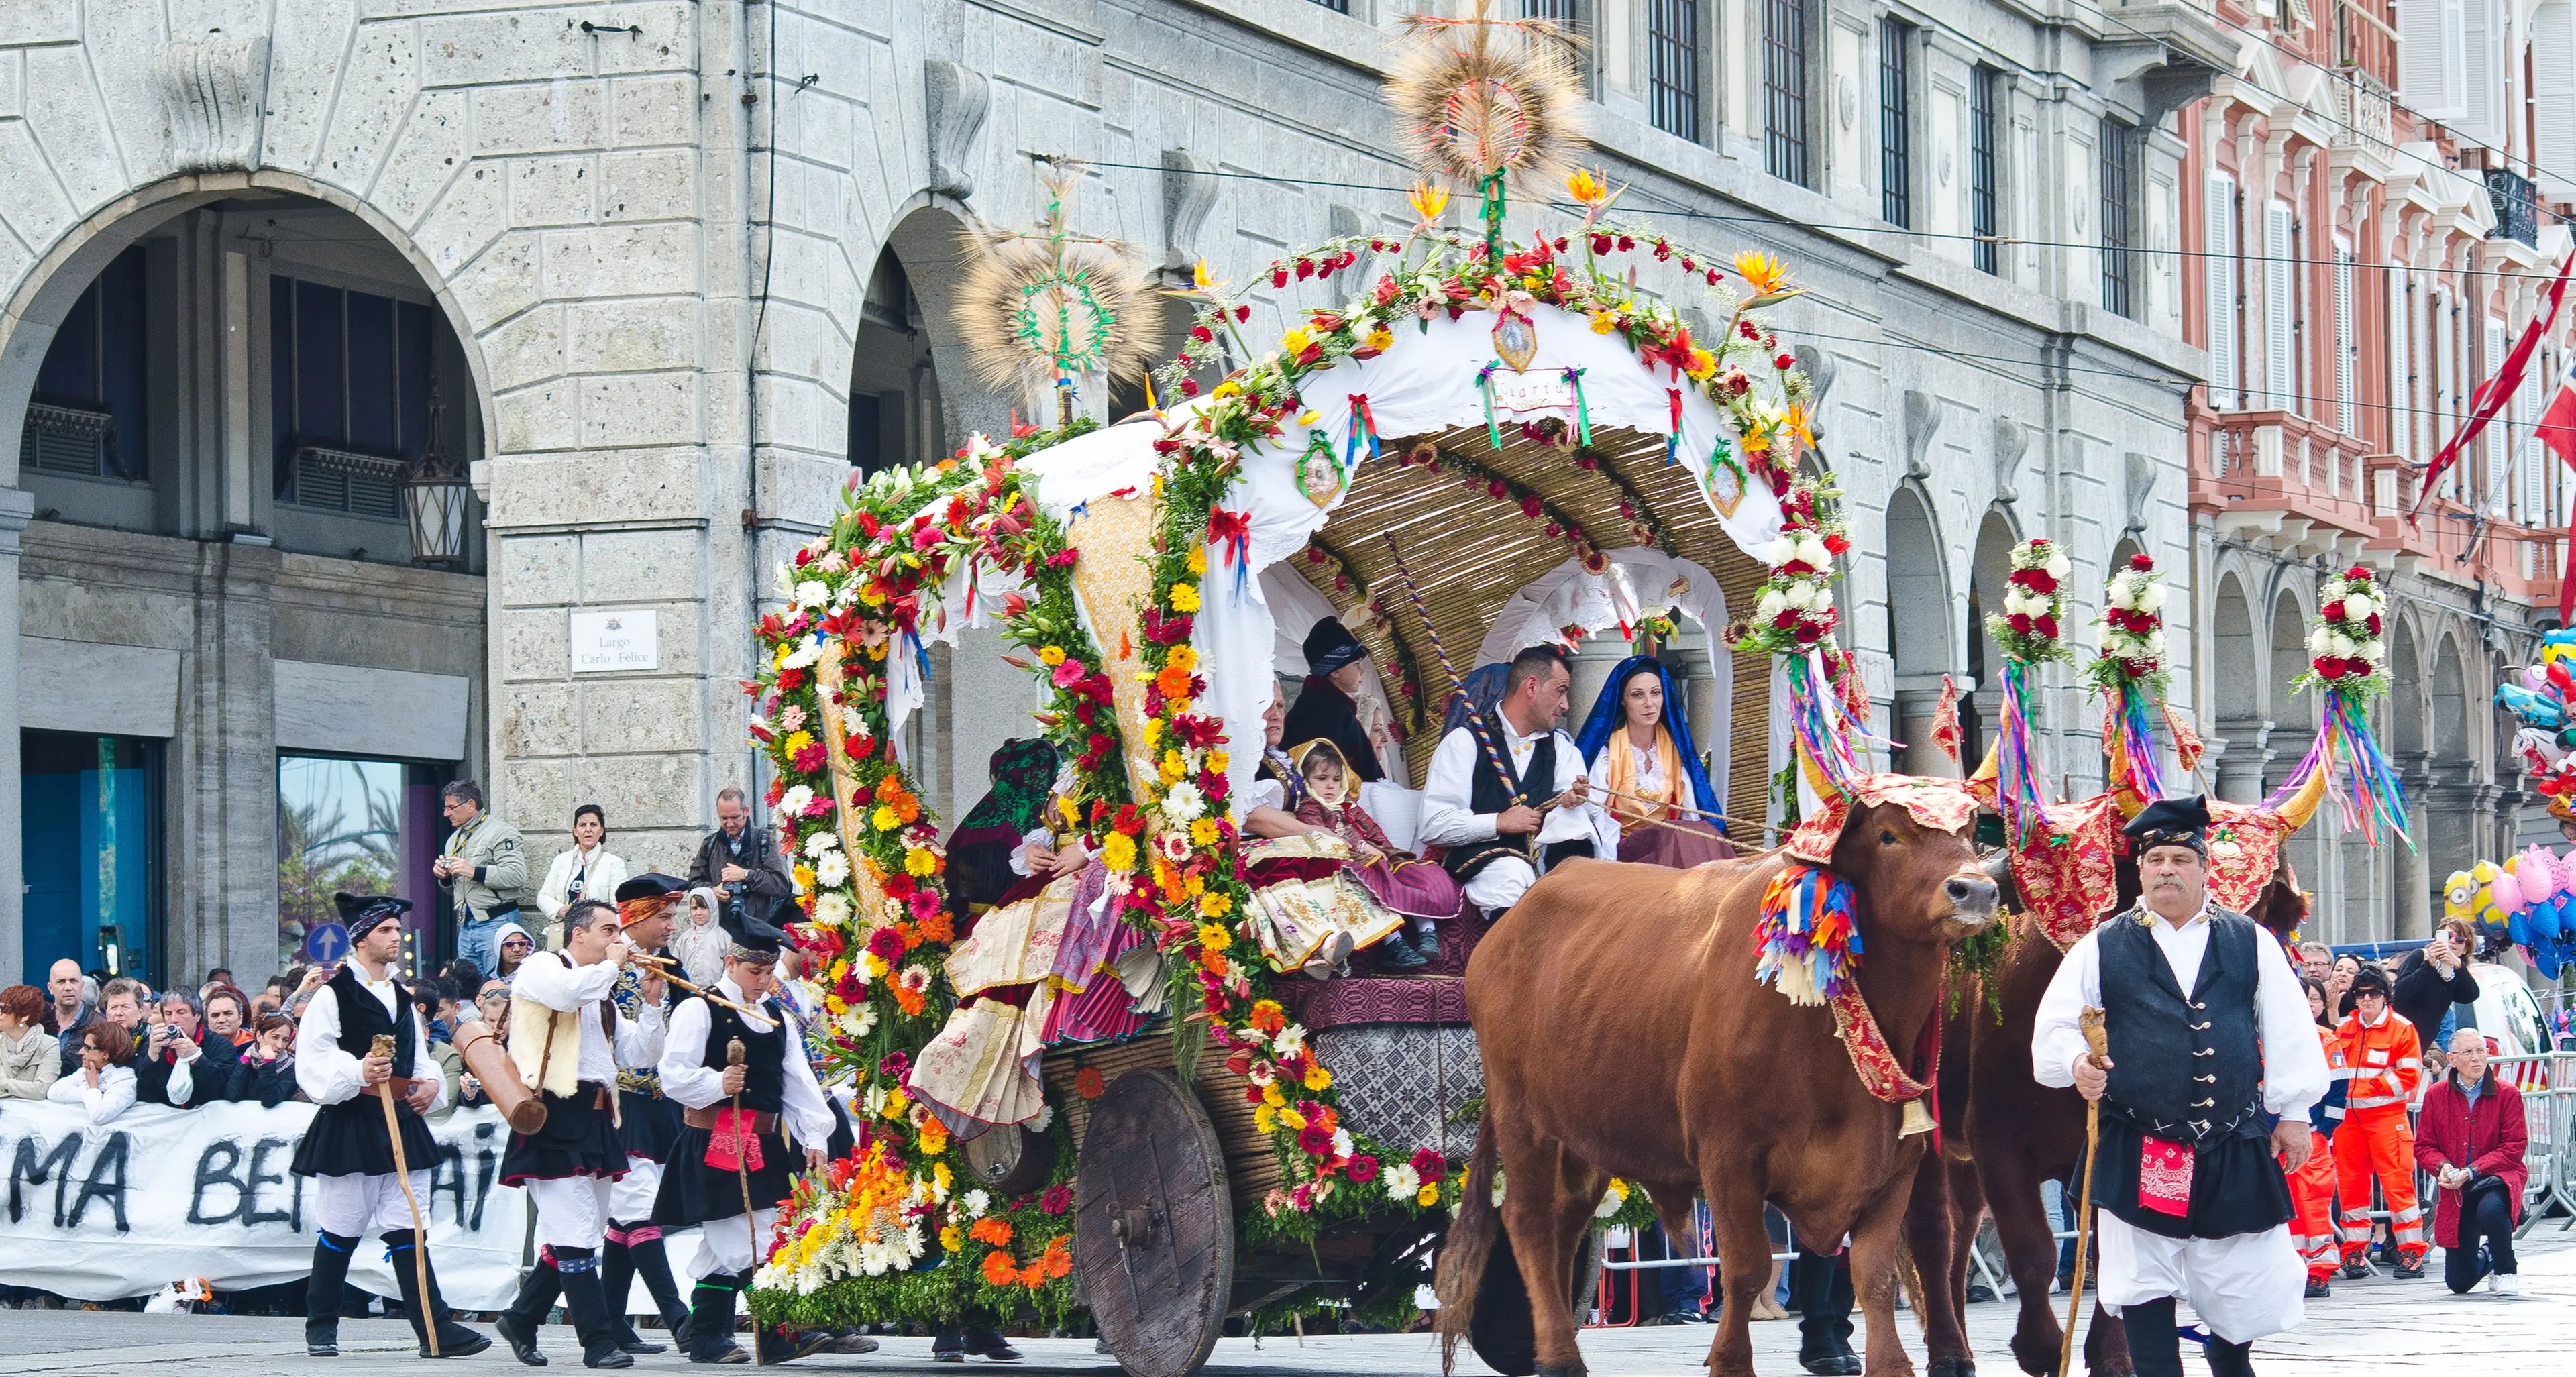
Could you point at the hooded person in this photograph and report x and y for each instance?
(505, 938)
(348, 1149)
(1327, 708)
(980, 850)
(1638, 748)
(735, 1123)
(2212, 1065)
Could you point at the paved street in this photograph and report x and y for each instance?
(2374, 1327)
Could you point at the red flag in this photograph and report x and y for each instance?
(2494, 392)
(2557, 427)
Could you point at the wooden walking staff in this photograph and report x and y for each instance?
(734, 1053)
(383, 1046)
(1475, 720)
(2100, 1043)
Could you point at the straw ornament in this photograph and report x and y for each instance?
(1478, 97)
(1041, 307)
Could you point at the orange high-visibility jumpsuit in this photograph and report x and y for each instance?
(2312, 1186)
(2387, 1063)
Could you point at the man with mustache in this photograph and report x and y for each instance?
(2211, 1054)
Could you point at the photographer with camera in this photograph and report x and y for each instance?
(742, 861)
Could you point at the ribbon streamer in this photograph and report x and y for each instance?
(1232, 532)
(2368, 798)
(1363, 427)
(1673, 442)
(2018, 796)
(1582, 409)
(2128, 731)
(1485, 389)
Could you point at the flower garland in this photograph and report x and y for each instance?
(1793, 609)
(1557, 522)
(2130, 670)
(2348, 653)
(2029, 627)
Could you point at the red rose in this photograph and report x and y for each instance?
(1785, 362)
(2357, 572)
(1189, 387)
(2373, 624)
(1787, 619)
(1837, 543)
(1497, 488)
(1530, 508)
(2327, 667)
(2045, 625)
(2142, 564)
(2332, 611)
(2036, 580)
(2019, 622)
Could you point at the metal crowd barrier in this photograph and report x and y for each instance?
(2548, 1085)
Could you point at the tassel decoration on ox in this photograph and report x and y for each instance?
(1807, 942)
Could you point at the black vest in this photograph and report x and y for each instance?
(1488, 792)
(764, 1074)
(362, 1020)
(2184, 1069)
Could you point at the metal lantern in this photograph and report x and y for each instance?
(434, 497)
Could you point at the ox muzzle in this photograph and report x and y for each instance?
(1972, 897)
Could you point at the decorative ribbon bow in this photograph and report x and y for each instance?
(1232, 531)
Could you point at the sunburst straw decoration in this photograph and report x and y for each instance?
(1042, 307)
(1484, 101)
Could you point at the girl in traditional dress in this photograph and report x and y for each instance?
(1415, 888)
(1641, 753)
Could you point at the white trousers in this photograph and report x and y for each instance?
(2243, 1287)
(632, 1201)
(725, 1245)
(572, 1212)
(1501, 883)
(365, 1206)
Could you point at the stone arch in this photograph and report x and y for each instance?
(1918, 624)
(2289, 659)
(2405, 693)
(1990, 565)
(53, 284)
(2237, 672)
(2450, 702)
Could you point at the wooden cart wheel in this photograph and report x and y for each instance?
(1501, 1332)
(1154, 1225)
(1008, 1161)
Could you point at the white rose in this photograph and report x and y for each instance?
(2058, 568)
(1812, 553)
(1769, 606)
(2317, 642)
(2358, 607)
(2151, 597)
(2018, 603)
(2123, 590)
(812, 593)
(2374, 650)
(1780, 551)
(2156, 643)
(1797, 595)
(2339, 646)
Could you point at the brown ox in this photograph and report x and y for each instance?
(1623, 1035)
(2008, 1134)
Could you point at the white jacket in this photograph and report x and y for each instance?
(599, 880)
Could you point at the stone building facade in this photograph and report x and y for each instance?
(686, 264)
(2370, 228)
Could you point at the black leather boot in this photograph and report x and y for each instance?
(2155, 1348)
(322, 1294)
(710, 1334)
(518, 1324)
(2230, 1360)
(588, 1305)
(427, 1308)
(984, 1341)
(653, 1264)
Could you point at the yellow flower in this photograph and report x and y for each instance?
(1203, 832)
(1761, 273)
(1153, 730)
(1215, 905)
(1197, 885)
(872, 594)
(1176, 706)
(1265, 1118)
(1217, 759)
(876, 966)
(1307, 418)
(1174, 767)
(919, 861)
(1270, 1096)
(896, 1103)
(1603, 322)
(1227, 388)
(1317, 1078)
(1214, 937)
(833, 1005)
(1702, 363)
(1797, 422)
(952, 1238)
(1118, 852)
(1429, 201)
(805, 877)
(1619, 1188)
(1381, 339)
(1295, 342)
(934, 1141)
(885, 819)
(1182, 658)
(1290, 1117)
(1051, 655)
(1065, 806)
(796, 741)
(1585, 188)
(1428, 1196)
(1201, 278)
(1185, 597)
(1196, 560)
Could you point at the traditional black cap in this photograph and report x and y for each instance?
(754, 939)
(2171, 822)
(652, 884)
(364, 913)
(1330, 645)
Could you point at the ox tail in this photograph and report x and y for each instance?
(1468, 1247)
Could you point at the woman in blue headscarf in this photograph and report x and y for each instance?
(1641, 753)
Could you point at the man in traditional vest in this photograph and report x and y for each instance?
(2212, 1064)
(347, 1149)
(567, 1041)
(1500, 832)
(718, 1156)
(648, 1124)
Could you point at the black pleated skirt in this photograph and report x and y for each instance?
(650, 1125)
(2236, 1184)
(580, 1138)
(693, 1192)
(349, 1139)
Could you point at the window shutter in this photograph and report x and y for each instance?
(2553, 95)
(2428, 59)
(2481, 66)
(2493, 438)
(2218, 238)
(2347, 413)
(2279, 303)
(2401, 354)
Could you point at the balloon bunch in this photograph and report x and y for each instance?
(2530, 901)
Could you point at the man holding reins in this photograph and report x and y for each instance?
(2212, 1064)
